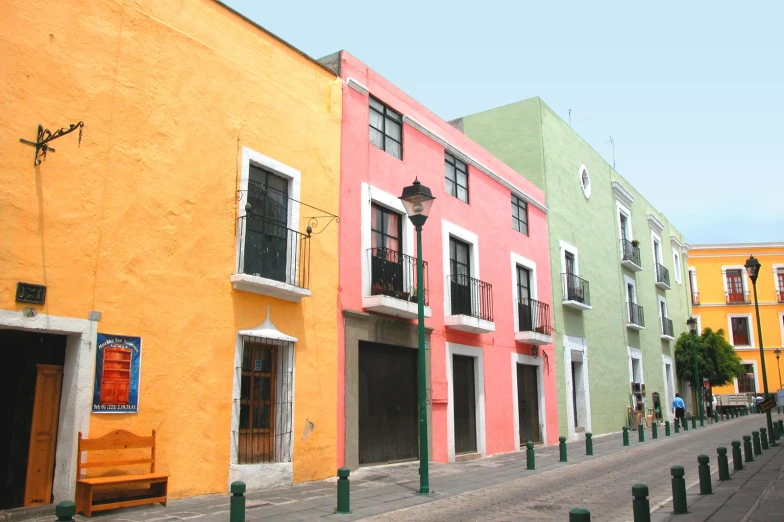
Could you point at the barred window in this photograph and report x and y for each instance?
(519, 215)
(386, 128)
(456, 177)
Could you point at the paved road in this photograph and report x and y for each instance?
(602, 485)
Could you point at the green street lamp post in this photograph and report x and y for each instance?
(417, 200)
(778, 364)
(752, 267)
(692, 324)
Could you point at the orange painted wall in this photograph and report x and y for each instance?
(139, 222)
(713, 311)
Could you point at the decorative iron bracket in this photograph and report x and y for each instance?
(41, 143)
(313, 221)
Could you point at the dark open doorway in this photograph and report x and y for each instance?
(21, 355)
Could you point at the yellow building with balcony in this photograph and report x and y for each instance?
(722, 296)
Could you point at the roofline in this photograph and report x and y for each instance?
(276, 37)
(714, 246)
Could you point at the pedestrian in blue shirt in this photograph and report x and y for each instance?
(679, 407)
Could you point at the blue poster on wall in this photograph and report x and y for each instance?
(117, 366)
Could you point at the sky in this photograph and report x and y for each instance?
(691, 92)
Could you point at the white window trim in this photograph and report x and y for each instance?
(578, 344)
(666, 406)
(699, 324)
(629, 281)
(451, 230)
(743, 277)
(781, 325)
(566, 247)
(656, 246)
(369, 195)
(518, 358)
(776, 279)
(620, 208)
(516, 260)
(479, 395)
(635, 353)
(756, 376)
(751, 329)
(693, 279)
(677, 265)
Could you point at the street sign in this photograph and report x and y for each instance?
(767, 404)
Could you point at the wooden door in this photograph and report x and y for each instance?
(43, 435)
(388, 410)
(464, 403)
(528, 403)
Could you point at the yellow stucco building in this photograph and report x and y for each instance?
(723, 297)
(142, 254)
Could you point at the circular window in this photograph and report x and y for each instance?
(585, 181)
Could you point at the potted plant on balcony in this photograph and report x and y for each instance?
(389, 290)
(377, 289)
(414, 296)
(405, 295)
(635, 243)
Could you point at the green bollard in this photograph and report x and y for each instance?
(654, 431)
(237, 502)
(764, 438)
(640, 433)
(694, 422)
(529, 455)
(781, 429)
(715, 416)
(757, 446)
(747, 448)
(344, 491)
(677, 426)
(705, 474)
(724, 465)
(579, 515)
(625, 435)
(679, 506)
(588, 443)
(562, 448)
(666, 428)
(737, 458)
(641, 507)
(65, 511)
(685, 424)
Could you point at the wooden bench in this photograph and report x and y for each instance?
(114, 489)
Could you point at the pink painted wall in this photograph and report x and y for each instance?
(488, 215)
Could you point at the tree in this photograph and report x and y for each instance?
(718, 361)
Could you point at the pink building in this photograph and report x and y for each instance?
(491, 369)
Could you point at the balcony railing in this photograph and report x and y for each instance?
(780, 296)
(695, 298)
(662, 275)
(575, 289)
(631, 252)
(270, 250)
(534, 316)
(469, 296)
(394, 274)
(636, 316)
(737, 297)
(667, 329)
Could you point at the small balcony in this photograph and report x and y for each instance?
(780, 296)
(630, 256)
(737, 298)
(576, 292)
(636, 317)
(667, 331)
(662, 277)
(695, 299)
(471, 305)
(393, 289)
(534, 322)
(273, 259)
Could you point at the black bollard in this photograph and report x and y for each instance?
(705, 475)
(747, 452)
(764, 438)
(755, 437)
(737, 458)
(641, 507)
(588, 443)
(724, 465)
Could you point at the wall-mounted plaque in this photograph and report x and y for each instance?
(30, 293)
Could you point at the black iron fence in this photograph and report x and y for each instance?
(667, 327)
(394, 274)
(737, 297)
(271, 250)
(534, 316)
(662, 274)
(469, 296)
(630, 252)
(575, 289)
(636, 315)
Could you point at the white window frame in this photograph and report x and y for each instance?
(623, 209)
(781, 325)
(743, 276)
(756, 376)
(370, 195)
(661, 299)
(581, 345)
(636, 353)
(776, 279)
(629, 281)
(699, 324)
(448, 230)
(656, 245)
(751, 329)
(666, 406)
(518, 358)
(677, 265)
(518, 260)
(693, 280)
(477, 353)
(586, 188)
(566, 247)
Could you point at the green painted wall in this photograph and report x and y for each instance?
(533, 140)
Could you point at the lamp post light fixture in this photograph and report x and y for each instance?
(692, 324)
(752, 267)
(778, 364)
(417, 200)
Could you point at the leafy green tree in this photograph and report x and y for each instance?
(718, 361)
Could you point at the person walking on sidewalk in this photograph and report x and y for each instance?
(679, 407)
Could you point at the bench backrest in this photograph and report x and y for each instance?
(115, 441)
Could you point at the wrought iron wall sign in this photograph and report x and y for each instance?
(41, 143)
(313, 221)
(30, 293)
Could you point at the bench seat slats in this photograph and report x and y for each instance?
(124, 479)
(111, 464)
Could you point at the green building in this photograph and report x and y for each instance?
(619, 271)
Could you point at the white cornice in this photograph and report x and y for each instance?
(468, 159)
(737, 245)
(351, 82)
(656, 225)
(682, 245)
(622, 195)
